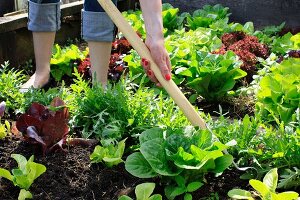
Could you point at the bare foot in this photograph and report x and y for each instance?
(35, 81)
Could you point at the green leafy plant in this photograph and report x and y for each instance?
(290, 178)
(24, 175)
(45, 97)
(206, 16)
(281, 45)
(186, 152)
(62, 61)
(110, 154)
(214, 75)
(135, 19)
(296, 40)
(171, 18)
(143, 192)
(279, 94)
(102, 113)
(10, 82)
(182, 187)
(265, 189)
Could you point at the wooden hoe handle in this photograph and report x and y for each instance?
(144, 52)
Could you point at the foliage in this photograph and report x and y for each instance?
(259, 146)
(102, 113)
(246, 47)
(279, 94)
(144, 192)
(243, 131)
(45, 97)
(266, 189)
(62, 61)
(171, 19)
(10, 82)
(45, 126)
(281, 45)
(110, 154)
(150, 108)
(4, 128)
(182, 188)
(135, 19)
(120, 110)
(186, 152)
(290, 178)
(296, 40)
(206, 16)
(24, 175)
(214, 75)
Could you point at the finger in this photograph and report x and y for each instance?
(152, 76)
(165, 71)
(168, 62)
(150, 73)
(145, 64)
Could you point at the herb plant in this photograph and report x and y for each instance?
(265, 189)
(24, 175)
(101, 113)
(290, 178)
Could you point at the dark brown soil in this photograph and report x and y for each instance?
(70, 176)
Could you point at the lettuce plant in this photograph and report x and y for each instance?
(62, 61)
(109, 154)
(171, 18)
(281, 45)
(279, 93)
(186, 152)
(182, 188)
(143, 192)
(206, 16)
(265, 189)
(214, 75)
(24, 175)
(46, 127)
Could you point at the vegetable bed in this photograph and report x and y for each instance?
(130, 140)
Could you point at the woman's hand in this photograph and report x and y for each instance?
(160, 57)
(155, 39)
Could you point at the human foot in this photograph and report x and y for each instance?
(35, 81)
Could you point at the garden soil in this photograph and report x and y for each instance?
(71, 176)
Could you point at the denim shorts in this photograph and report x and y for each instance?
(44, 16)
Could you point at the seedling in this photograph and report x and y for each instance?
(143, 192)
(265, 189)
(24, 175)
